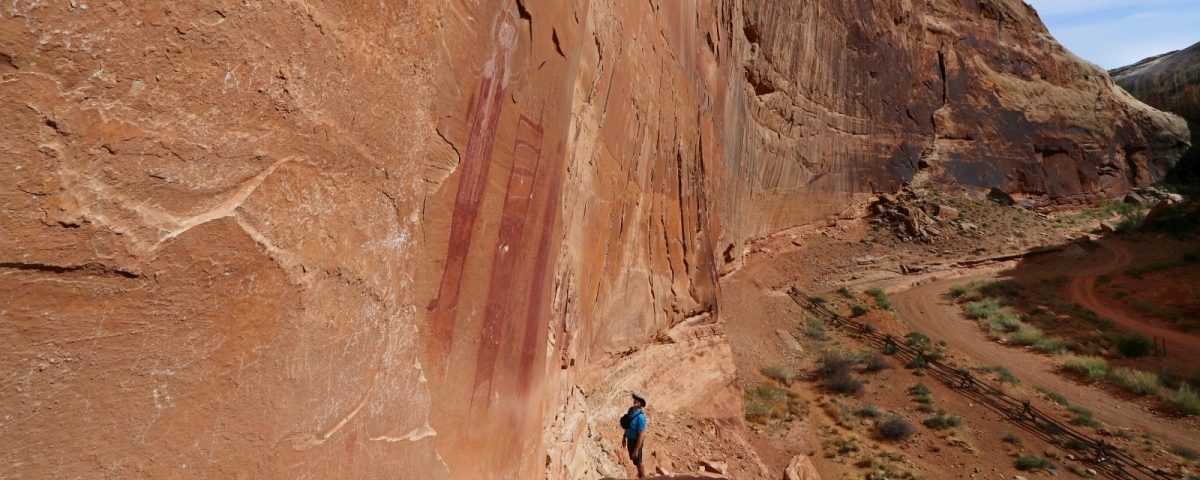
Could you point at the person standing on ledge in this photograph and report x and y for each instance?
(634, 423)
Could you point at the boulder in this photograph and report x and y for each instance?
(801, 468)
(714, 466)
(1000, 196)
(1135, 198)
(947, 212)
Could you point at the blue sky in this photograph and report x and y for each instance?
(1115, 33)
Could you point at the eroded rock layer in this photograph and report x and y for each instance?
(446, 239)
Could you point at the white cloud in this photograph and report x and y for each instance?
(1114, 33)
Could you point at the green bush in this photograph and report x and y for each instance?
(1013, 439)
(1184, 401)
(1051, 346)
(918, 389)
(779, 373)
(1095, 368)
(1135, 345)
(819, 300)
(958, 290)
(1026, 335)
(1003, 320)
(869, 410)
(845, 292)
(1135, 381)
(1007, 376)
(881, 298)
(1034, 462)
(941, 421)
(857, 310)
(982, 309)
(1086, 420)
(1184, 452)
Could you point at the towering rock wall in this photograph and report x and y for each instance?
(1170, 82)
(322, 238)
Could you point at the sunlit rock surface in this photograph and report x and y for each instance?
(445, 239)
(1170, 82)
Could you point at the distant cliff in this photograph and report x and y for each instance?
(1170, 82)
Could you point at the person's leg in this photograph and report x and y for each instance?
(641, 469)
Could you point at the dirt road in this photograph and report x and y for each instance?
(924, 310)
(1083, 290)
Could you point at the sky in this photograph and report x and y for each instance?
(1115, 33)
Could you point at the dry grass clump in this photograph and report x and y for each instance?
(780, 373)
(1135, 381)
(876, 362)
(1095, 368)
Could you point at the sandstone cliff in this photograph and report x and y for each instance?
(1170, 82)
(311, 238)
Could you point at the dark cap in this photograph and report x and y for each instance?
(641, 398)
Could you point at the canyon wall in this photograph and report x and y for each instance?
(427, 239)
(1170, 82)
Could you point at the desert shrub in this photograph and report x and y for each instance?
(769, 392)
(1033, 462)
(1053, 396)
(1003, 320)
(1095, 368)
(1085, 419)
(926, 407)
(833, 363)
(1007, 376)
(1184, 452)
(1135, 345)
(757, 407)
(819, 300)
(780, 373)
(919, 389)
(958, 290)
(941, 421)
(869, 410)
(982, 309)
(763, 399)
(1026, 335)
(1012, 438)
(881, 298)
(845, 383)
(835, 373)
(814, 329)
(876, 362)
(917, 363)
(857, 310)
(1135, 381)
(1050, 346)
(896, 428)
(1184, 401)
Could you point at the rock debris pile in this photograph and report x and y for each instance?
(916, 219)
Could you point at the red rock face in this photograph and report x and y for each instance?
(1170, 82)
(336, 239)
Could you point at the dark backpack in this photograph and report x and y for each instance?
(627, 419)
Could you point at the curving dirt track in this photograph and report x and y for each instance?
(924, 309)
(1083, 290)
